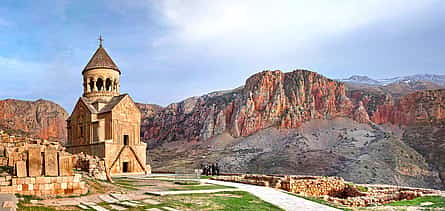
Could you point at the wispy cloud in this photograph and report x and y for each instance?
(171, 49)
(262, 23)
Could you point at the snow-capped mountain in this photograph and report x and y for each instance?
(361, 80)
(437, 79)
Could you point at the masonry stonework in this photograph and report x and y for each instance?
(40, 168)
(105, 123)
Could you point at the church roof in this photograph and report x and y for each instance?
(113, 102)
(101, 59)
(88, 105)
(107, 108)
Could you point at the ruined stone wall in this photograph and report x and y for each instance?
(303, 185)
(40, 168)
(333, 189)
(93, 165)
(43, 186)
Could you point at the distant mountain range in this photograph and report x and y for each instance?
(437, 79)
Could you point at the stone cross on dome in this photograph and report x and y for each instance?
(100, 40)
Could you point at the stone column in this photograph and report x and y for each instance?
(94, 85)
(34, 161)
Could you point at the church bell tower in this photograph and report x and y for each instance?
(101, 78)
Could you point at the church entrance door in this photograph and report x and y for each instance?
(125, 167)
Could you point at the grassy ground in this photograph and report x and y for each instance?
(128, 183)
(186, 182)
(200, 187)
(246, 201)
(438, 202)
(230, 200)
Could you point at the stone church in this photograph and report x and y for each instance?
(104, 122)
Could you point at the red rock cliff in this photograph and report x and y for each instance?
(268, 99)
(41, 118)
(426, 106)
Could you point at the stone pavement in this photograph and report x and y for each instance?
(275, 197)
(8, 202)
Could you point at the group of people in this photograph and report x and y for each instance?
(210, 169)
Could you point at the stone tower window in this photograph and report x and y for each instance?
(108, 84)
(100, 84)
(91, 85)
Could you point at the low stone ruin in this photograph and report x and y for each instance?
(37, 167)
(333, 189)
(93, 165)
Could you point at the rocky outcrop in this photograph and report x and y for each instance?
(268, 99)
(41, 118)
(286, 100)
(148, 110)
(425, 106)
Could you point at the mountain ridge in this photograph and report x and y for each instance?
(301, 122)
(434, 78)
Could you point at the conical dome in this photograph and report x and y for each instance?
(101, 59)
(101, 77)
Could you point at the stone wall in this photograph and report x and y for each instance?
(43, 186)
(37, 167)
(333, 189)
(303, 185)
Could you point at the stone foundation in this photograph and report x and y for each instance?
(302, 185)
(94, 165)
(44, 186)
(333, 189)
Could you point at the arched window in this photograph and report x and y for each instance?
(91, 85)
(100, 84)
(108, 84)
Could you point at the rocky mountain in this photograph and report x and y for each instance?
(433, 78)
(268, 99)
(40, 118)
(149, 110)
(303, 123)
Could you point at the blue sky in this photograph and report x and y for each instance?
(169, 50)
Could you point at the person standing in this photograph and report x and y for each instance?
(213, 169)
(217, 169)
